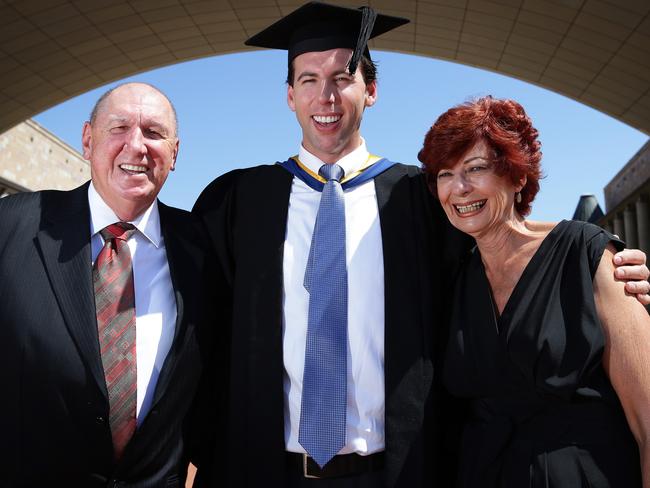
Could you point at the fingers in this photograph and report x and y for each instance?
(637, 287)
(640, 289)
(629, 256)
(632, 269)
(634, 273)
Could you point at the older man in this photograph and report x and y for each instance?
(100, 312)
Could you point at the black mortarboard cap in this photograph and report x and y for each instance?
(319, 26)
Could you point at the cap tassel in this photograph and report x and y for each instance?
(368, 17)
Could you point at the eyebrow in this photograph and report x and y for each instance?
(160, 128)
(117, 118)
(150, 123)
(307, 74)
(476, 157)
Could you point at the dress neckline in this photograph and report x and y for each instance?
(501, 319)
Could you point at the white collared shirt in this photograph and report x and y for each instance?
(155, 302)
(364, 255)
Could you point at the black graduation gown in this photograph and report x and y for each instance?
(245, 214)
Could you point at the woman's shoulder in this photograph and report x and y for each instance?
(584, 238)
(590, 235)
(539, 226)
(537, 231)
(568, 229)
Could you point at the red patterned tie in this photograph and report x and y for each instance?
(115, 306)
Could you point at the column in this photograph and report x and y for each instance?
(643, 222)
(619, 230)
(631, 234)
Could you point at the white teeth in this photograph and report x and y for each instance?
(470, 208)
(134, 167)
(321, 119)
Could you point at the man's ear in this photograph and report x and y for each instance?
(290, 100)
(87, 141)
(175, 155)
(371, 93)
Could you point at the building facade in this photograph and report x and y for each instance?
(627, 200)
(32, 158)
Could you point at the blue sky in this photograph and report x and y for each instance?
(232, 112)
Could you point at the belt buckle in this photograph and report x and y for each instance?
(305, 470)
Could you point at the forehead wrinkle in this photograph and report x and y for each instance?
(143, 118)
(142, 100)
(322, 58)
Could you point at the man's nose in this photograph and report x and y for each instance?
(135, 141)
(327, 93)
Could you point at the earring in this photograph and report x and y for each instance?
(518, 197)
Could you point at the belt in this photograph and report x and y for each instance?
(339, 466)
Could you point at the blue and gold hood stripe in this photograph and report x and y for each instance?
(374, 166)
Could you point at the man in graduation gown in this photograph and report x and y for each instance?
(261, 222)
(280, 233)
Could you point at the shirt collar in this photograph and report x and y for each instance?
(101, 215)
(355, 161)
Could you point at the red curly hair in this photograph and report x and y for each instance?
(507, 131)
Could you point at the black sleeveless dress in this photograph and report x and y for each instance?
(544, 413)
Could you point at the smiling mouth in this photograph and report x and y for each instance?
(326, 120)
(133, 168)
(472, 207)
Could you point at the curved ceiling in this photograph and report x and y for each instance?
(594, 51)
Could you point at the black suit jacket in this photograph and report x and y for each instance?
(245, 214)
(54, 407)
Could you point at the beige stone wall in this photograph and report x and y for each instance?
(32, 158)
(627, 198)
(630, 178)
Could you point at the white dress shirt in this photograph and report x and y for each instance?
(155, 302)
(364, 255)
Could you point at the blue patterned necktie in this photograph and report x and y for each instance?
(324, 384)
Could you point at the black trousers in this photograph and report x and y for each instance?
(373, 479)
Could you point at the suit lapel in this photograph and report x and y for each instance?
(406, 370)
(64, 242)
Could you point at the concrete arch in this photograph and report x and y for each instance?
(594, 51)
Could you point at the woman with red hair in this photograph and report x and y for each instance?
(551, 353)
